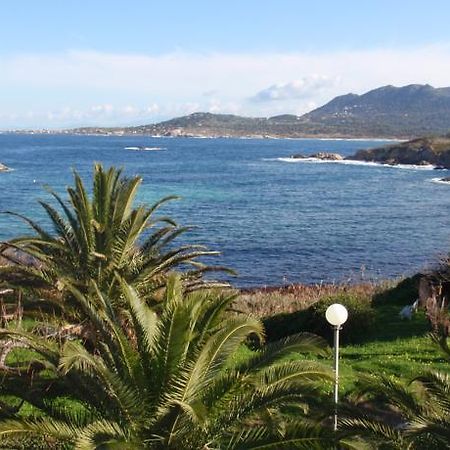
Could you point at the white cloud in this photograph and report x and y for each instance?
(301, 88)
(88, 87)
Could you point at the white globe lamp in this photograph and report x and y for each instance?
(336, 314)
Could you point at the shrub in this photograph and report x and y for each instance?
(402, 293)
(361, 317)
(283, 325)
(32, 443)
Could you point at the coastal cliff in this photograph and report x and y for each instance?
(426, 150)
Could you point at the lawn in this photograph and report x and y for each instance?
(393, 346)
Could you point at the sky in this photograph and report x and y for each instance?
(110, 63)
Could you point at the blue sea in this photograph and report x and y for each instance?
(275, 221)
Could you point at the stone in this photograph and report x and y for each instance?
(328, 156)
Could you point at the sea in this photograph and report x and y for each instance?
(275, 221)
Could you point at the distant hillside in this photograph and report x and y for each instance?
(412, 110)
(429, 150)
(401, 112)
(207, 124)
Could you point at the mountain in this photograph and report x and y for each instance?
(412, 110)
(386, 112)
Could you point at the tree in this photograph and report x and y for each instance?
(94, 240)
(420, 409)
(180, 383)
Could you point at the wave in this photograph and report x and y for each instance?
(440, 181)
(361, 139)
(352, 162)
(145, 148)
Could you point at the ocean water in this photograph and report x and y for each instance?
(275, 221)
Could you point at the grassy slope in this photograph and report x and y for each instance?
(397, 347)
(394, 347)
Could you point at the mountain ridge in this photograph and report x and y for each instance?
(385, 112)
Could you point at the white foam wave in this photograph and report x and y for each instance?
(361, 139)
(353, 162)
(440, 181)
(145, 148)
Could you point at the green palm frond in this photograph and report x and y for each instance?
(174, 381)
(296, 435)
(279, 350)
(104, 434)
(39, 426)
(376, 430)
(95, 238)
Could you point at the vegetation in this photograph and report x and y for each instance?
(423, 408)
(94, 241)
(175, 384)
(117, 343)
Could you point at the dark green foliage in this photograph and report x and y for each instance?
(401, 415)
(282, 325)
(404, 293)
(360, 322)
(32, 443)
(361, 318)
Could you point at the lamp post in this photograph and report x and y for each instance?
(336, 315)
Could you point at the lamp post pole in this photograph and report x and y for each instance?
(336, 315)
(336, 374)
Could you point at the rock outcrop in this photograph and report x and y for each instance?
(422, 151)
(326, 156)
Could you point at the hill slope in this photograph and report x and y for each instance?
(386, 112)
(406, 111)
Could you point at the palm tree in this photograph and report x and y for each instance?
(180, 382)
(94, 240)
(422, 408)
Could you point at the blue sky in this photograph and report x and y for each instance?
(69, 63)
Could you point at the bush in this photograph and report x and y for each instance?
(31, 443)
(403, 293)
(283, 325)
(361, 318)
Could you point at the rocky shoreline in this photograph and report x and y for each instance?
(423, 151)
(427, 151)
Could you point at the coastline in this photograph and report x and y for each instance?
(324, 137)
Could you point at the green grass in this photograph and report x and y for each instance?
(394, 347)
